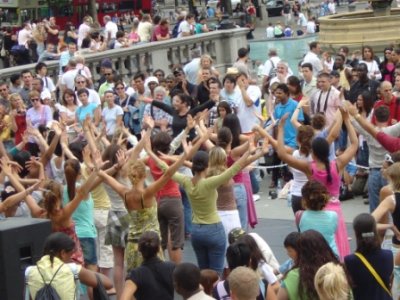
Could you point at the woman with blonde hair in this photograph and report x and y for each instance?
(226, 203)
(206, 63)
(331, 282)
(18, 117)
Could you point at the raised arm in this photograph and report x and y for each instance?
(52, 147)
(362, 121)
(298, 164)
(350, 151)
(294, 120)
(17, 198)
(334, 130)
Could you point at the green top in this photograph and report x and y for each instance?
(291, 283)
(203, 195)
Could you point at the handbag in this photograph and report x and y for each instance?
(99, 292)
(373, 272)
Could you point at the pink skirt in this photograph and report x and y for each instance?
(341, 236)
(251, 209)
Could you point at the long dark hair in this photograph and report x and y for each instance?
(364, 226)
(232, 122)
(320, 148)
(71, 169)
(256, 255)
(313, 252)
(368, 102)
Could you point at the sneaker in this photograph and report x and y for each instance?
(256, 197)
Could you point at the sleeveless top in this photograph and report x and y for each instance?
(141, 221)
(77, 256)
(396, 216)
(321, 176)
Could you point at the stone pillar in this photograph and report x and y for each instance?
(263, 21)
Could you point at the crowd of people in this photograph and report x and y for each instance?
(125, 170)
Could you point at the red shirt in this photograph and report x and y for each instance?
(390, 143)
(158, 30)
(394, 108)
(53, 38)
(170, 189)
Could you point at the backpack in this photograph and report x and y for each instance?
(272, 72)
(47, 292)
(175, 30)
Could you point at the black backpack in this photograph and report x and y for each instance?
(175, 30)
(47, 292)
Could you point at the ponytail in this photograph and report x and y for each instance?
(71, 170)
(328, 171)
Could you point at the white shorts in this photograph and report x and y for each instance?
(104, 252)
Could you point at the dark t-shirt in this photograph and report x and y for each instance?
(153, 280)
(365, 285)
(286, 8)
(53, 38)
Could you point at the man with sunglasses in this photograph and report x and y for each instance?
(68, 78)
(108, 85)
(182, 84)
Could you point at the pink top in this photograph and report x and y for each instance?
(321, 176)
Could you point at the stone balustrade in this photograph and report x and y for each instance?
(221, 45)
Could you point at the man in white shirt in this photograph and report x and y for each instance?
(68, 78)
(312, 58)
(270, 31)
(269, 70)
(326, 99)
(186, 26)
(84, 30)
(250, 104)
(311, 25)
(282, 73)
(25, 35)
(110, 30)
(192, 68)
(309, 82)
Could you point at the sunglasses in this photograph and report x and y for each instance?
(120, 88)
(35, 99)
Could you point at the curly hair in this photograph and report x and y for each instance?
(315, 195)
(318, 122)
(137, 171)
(305, 135)
(313, 252)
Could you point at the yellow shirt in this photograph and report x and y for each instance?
(63, 282)
(99, 195)
(5, 134)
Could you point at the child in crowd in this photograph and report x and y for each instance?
(290, 244)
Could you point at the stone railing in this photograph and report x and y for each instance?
(221, 45)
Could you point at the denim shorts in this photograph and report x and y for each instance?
(89, 250)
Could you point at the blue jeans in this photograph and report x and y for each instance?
(187, 211)
(241, 202)
(255, 185)
(375, 183)
(209, 244)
